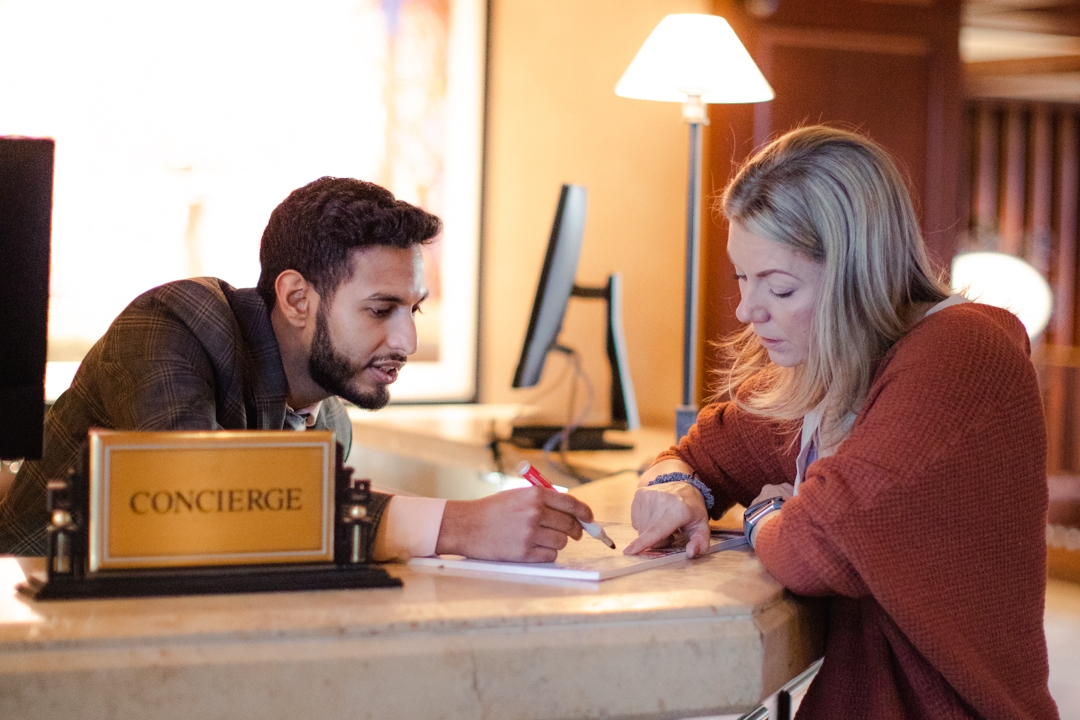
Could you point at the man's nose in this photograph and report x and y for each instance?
(403, 334)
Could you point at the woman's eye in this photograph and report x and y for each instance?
(786, 293)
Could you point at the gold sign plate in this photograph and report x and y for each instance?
(186, 499)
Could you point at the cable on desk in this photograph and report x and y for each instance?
(565, 469)
(561, 439)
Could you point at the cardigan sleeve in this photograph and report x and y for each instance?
(736, 453)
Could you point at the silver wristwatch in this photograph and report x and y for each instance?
(756, 512)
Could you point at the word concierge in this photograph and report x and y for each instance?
(209, 500)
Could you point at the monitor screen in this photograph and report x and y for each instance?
(555, 286)
(26, 175)
(553, 294)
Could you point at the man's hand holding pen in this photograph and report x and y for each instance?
(522, 525)
(537, 480)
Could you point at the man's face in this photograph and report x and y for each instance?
(365, 332)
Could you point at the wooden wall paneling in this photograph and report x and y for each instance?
(1061, 412)
(1012, 204)
(986, 168)
(1063, 322)
(942, 201)
(1058, 396)
(824, 75)
(730, 134)
(1025, 182)
(890, 70)
(1041, 203)
(1039, 255)
(966, 187)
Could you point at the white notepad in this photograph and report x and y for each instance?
(586, 559)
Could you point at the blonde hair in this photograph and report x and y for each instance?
(838, 199)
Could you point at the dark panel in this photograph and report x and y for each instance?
(26, 167)
(888, 69)
(830, 85)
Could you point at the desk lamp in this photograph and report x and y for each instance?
(695, 60)
(1005, 281)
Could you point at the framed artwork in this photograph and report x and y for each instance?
(181, 124)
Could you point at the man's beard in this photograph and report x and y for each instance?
(335, 374)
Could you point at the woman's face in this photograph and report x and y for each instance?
(779, 291)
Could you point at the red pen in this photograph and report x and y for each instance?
(533, 475)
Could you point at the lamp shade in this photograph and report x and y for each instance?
(1005, 281)
(694, 55)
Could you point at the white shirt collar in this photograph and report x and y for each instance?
(310, 413)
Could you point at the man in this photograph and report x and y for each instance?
(342, 277)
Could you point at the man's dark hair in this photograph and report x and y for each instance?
(313, 230)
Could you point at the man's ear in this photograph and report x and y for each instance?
(297, 299)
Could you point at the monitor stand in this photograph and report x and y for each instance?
(588, 437)
(624, 412)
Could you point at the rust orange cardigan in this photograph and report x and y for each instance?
(926, 528)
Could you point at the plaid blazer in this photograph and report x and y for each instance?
(189, 355)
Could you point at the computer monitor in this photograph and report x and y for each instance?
(26, 175)
(553, 294)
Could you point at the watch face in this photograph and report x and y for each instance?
(756, 512)
(758, 509)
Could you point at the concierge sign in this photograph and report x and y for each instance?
(183, 499)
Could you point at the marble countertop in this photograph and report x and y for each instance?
(728, 584)
(704, 636)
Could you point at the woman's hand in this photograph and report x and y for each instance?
(659, 511)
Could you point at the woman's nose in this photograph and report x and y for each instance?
(749, 311)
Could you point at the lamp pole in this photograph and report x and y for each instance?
(691, 58)
(695, 115)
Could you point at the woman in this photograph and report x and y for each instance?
(887, 437)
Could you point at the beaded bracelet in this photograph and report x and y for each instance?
(706, 493)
